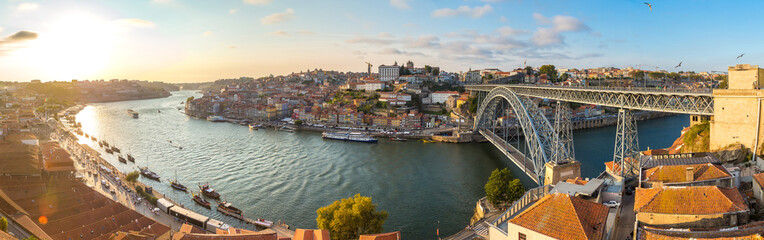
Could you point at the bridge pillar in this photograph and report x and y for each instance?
(563, 149)
(626, 145)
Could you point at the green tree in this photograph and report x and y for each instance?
(31, 238)
(3, 224)
(529, 70)
(656, 75)
(132, 176)
(191, 98)
(564, 77)
(404, 71)
(502, 189)
(673, 75)
(298, 122)
(350, 217)
(427, 69)
(436, 71)
(550, 72)
(639, 74)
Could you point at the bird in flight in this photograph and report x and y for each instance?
(649, 5)
(741, 55)
(680, 64)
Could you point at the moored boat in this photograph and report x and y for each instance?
(121, 159)
(215, 119)
(100, 144)
(115, 149)
(285, 129)
(229, 208)
(108, 150)
(149, 174)
(256, 126)
(398, 139)
(130, 158)
(209, 192)
(200, 200)
(175, 184)
(349, 136)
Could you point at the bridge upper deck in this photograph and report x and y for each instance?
(685, 101)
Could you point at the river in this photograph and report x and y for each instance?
(287, 176)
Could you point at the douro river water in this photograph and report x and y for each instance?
(287, 176)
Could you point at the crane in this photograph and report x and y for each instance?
(369, 69)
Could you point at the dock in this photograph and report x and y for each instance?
(245, 219)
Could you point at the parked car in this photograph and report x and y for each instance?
(612, 204)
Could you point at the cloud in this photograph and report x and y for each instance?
(372, 41)
(206, 34)
(410, 25)
(400, 4)
(162, 1)
(1, 29)
(509, 31)
(279, 33)
(27, 7)
(15, 41)
(278, 17)
(382, 34)
(502, 19)
(306, 32)
(394, 51)
(232, 11)
(257, 2)
(475, 12)
(424, 41)
(547, 36)
(135, 22)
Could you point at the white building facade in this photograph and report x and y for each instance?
(389, 73)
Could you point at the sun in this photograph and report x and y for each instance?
(75, 45)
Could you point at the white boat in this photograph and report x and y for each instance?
(349, 136)
(215, 119)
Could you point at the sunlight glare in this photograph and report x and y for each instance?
(77, 45)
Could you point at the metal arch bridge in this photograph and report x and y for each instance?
(546, 143)
(696, 102)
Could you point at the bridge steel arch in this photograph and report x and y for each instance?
(538, 133)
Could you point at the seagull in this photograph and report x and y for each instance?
(649, 5)
(741, 55)
(680, 64)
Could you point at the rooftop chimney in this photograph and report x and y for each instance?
(689, 174)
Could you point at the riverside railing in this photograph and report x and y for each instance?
(632, 89)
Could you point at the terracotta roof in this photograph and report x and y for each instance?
(697, 200)
(311, 234)
(382, 236)
(752, 230)
(564, 217)
(759, 178)
(677, 173)
(577, 180)
(655, 152)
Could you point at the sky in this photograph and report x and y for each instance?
(206, 40)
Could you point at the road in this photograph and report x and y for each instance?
(627, 218)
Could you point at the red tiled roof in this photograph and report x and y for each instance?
(577, 180)
(677, 173)
(564, 217)
(759, 178)
(696, 200)
(382, 236)
(311, 234)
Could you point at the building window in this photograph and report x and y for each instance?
(520, 236)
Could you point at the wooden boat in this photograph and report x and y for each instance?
(228, 207)
(209, 192)
(175, 184)
(149, 174)
(115, 149)
(121, 159)
(108, 150)
(100, 144)
(200, 200)
(130, 158)
(398, 139)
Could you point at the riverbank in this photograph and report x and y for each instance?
(91, 165)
